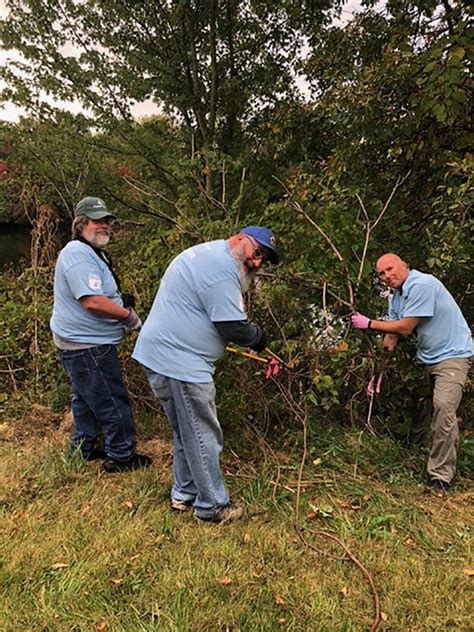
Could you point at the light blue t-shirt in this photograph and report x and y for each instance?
(81, 272)
(442, 332)
(178, 339)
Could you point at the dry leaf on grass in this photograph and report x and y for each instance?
(117, 581)
(246, 538)
(100, 627)
(279, 599)
(86, 510)
(469, 572)
(344, 591)
(224, 581)
(128, 504)
(384, 616)
(60, 565)
(282, 621)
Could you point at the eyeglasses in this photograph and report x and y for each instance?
(258, 252)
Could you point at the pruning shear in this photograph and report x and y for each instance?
(274, 364)
(374, 386)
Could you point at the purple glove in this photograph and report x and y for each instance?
(360, 322)
(131, 322)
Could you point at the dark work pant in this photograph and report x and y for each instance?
(100, 402)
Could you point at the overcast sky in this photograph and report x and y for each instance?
(11, 113)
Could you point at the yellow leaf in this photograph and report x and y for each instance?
(469, 572)
(246, 538)
(317, 462)
(117, 581)
(344, 591)
(384, 616)
(60, 565)
(279, 599)
(86, 510)
(224, 581)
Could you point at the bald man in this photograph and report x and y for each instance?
(444, 345)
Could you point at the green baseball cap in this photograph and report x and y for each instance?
(93, 208)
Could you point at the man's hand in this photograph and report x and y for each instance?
(389, 342)
(131, 322)
(360, 322)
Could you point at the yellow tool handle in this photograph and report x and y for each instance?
(244, 354)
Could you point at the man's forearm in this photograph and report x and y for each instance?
(242, 332)
(104, 307)
(402, 327)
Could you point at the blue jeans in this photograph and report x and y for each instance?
(197, 442)
(100, 402)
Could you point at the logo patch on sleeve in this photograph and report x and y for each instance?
(95, 282)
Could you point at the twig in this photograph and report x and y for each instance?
(361, 567)
(297, 206)
(371, 225)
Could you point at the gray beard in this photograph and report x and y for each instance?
(246, 277)
(100, 241)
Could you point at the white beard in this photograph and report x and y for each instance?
(246, 277)
(100, 241)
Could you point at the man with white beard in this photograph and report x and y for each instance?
(199, 309)
(90, 318)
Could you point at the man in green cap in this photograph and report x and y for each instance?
(90, 318)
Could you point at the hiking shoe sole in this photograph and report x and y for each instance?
(180, 506)
(229, 513)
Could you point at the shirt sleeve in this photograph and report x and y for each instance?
(85, 278)
(420, 301)
(223, 301)
(392, 310)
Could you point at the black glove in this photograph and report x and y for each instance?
(262, 343)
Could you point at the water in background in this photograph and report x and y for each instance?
(14, 244)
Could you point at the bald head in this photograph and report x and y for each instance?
(392, 270)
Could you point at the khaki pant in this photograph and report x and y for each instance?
(438, 423)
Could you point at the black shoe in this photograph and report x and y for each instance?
(135, 462)
(438, 487)
(96, 455)
(229, 513)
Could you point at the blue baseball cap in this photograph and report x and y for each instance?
(265, 237)
(93, 208)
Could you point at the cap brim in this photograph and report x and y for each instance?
(98, 214)
(273, 255)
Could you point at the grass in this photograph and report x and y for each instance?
(83, 550)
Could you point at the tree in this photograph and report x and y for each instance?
(212, 62)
